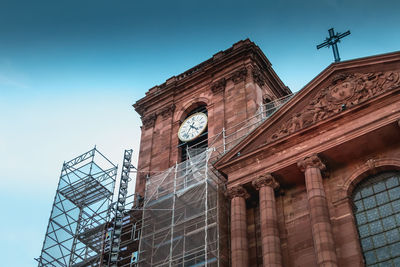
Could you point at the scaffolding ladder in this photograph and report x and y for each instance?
(120, 209)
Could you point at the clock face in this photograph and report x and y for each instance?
(192, 127)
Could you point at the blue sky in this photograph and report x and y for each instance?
(70, 71)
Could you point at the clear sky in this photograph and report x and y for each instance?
(70, 71)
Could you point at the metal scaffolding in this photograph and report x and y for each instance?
(123, 231)
(184, 219)
(181, 221)
(77, 225)
(185, 216)
(129, 234)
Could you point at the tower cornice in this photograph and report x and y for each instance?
(207, 70)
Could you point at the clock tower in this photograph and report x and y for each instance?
(311, 179)
(187, 113)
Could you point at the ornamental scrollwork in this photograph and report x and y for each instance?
(258, 77)
(218, 86)
(149, 121)
(312, 161)
(239, 75)
(344, 92)
(167, 112)
(265, 180)
(237, 191)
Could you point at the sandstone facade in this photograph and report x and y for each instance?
(290, 181)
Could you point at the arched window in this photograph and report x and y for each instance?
(377, 212)
(197, 145)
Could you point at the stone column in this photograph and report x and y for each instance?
(239, 244)
(271, 245)
(324, 245)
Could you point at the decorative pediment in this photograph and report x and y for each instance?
(344, 92)
(341, 87)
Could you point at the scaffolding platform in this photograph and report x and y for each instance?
(85, 192)
(184, 219)
(92, 261)
(93, 238)
(185, 213)
(80, 212)
(181, 221)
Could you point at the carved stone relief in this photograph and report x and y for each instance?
(149, 121)
(265, 180)
(218, 86)
(258, 77)
(239, 75)
(237, 191)
(312, 161)
(167, 112)
(345, 91)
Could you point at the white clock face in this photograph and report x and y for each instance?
(192, 127)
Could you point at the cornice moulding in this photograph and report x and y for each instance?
(206, 70)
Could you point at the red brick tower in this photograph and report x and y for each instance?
(230, 86)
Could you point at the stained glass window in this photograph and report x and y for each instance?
(377, 212)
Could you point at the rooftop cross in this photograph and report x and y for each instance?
(332, 40)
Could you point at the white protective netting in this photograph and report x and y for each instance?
(185, 217)
(231, 136)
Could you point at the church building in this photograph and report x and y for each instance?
(237, 170)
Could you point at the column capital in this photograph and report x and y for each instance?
(237, 191)
(265, 180)
(312, 161)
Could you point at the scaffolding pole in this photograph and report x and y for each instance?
(182, 219)
(80, 212)
(180, 215)
(173, 218)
